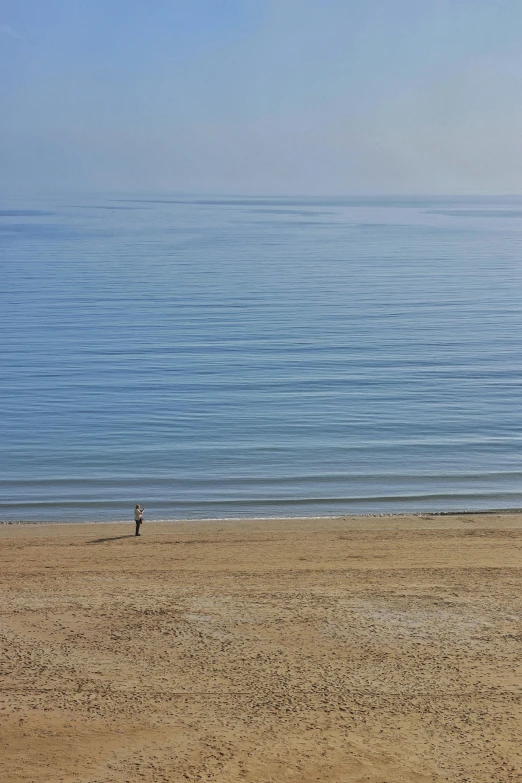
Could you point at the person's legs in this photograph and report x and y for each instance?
(138, 523)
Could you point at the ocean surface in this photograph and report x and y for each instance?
(217, 357)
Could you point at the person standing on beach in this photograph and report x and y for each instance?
(138, 517)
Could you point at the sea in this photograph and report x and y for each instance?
(226, 356)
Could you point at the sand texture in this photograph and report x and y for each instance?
(383, 650)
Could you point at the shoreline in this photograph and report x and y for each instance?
(333, 517)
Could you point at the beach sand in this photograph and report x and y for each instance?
(380, 649)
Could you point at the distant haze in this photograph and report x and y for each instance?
(262, 96)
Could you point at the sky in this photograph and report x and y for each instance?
(292, 97)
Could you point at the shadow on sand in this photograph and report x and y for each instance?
(113, 538)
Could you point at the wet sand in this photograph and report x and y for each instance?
(384, 650)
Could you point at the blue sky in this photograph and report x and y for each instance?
(262, 96)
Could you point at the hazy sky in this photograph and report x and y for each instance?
(262, 96)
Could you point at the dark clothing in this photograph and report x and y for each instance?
(138, 523)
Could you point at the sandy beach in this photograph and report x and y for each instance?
(380, 649)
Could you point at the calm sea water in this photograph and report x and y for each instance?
(220, 357)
